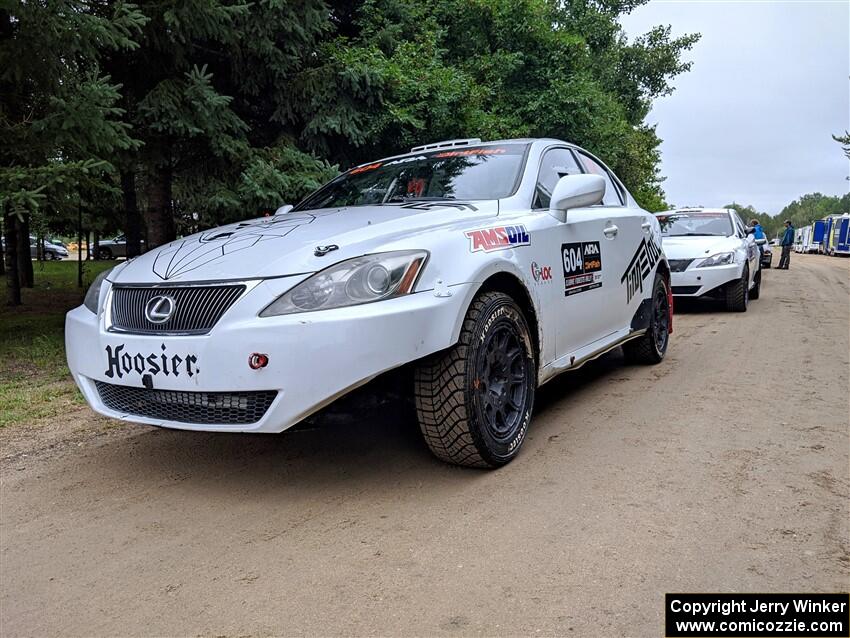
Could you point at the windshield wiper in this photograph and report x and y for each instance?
(698, 235)
(404, 200)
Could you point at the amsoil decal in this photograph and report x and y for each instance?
(498, 238)
(582, 266)
(120, 363)
(642, 263)
(541, 273)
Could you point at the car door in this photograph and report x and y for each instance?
(629, 249)
(586, 255)
(750, 247)
(119, 247)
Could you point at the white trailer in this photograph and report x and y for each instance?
(807, 242)
(798, 239)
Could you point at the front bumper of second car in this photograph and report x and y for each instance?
(695, 282)
(312, 359)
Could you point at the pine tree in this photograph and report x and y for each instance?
(59, 123)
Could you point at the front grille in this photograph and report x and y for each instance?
(196, 308)
(685, 290)
(231, 408)
(679, 265)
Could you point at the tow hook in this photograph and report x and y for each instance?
(258, 360)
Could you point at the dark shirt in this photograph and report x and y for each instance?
(788, 237)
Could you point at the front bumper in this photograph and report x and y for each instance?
(313, 358)
(695, 282)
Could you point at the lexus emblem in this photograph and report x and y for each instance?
(160, 308)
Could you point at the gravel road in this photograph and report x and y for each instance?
(725, 468)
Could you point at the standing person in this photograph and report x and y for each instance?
(787, 243)
(758, 231)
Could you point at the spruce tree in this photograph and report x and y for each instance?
(59, 123)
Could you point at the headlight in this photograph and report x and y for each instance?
(353, 282)
(720, 259)
(93, 294)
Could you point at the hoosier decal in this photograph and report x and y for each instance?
(498, 238)
(582, 267)
(644, 260)
(120, 363)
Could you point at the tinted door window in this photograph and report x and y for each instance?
(556, 163)
(612, 194)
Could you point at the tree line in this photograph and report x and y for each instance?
(160, 118)
(801, 212)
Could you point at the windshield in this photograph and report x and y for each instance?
(695, 224)
(483, 172)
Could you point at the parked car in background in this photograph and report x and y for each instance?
(711, 253)
(51, 251)
(766, 255)
(488, 268)
(114, 248)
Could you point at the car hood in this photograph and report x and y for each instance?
(695, 247)
(286, 244)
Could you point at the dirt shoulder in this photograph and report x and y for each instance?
(723, 469)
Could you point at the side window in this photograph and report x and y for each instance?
(612, 193)
(740, 225)
(556, 163)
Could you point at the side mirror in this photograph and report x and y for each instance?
(283, 209)
(575, 191)
(761, 242)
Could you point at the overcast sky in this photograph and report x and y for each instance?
(752, 121)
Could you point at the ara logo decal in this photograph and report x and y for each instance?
(641, 265)
(582, 266)
(541, 273)
(498, 238)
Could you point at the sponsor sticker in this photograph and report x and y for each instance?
(364, 168)
(498, 238)
(119, 362)
(642, 263)
(582, 266)
(471, 151)
(541, 273)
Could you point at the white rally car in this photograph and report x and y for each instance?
(711, 252)
(489, 268)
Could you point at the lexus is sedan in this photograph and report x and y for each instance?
(712, 254)
(487, 267)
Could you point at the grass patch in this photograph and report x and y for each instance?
(35, 383)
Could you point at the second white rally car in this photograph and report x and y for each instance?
(488, 268)
(711, 253)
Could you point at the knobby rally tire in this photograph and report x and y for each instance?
(737, 293)
(652, 346)
(474, 401)
(756, 291)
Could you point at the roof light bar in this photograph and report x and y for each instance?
(470, 141)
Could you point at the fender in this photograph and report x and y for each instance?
(485, 272)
